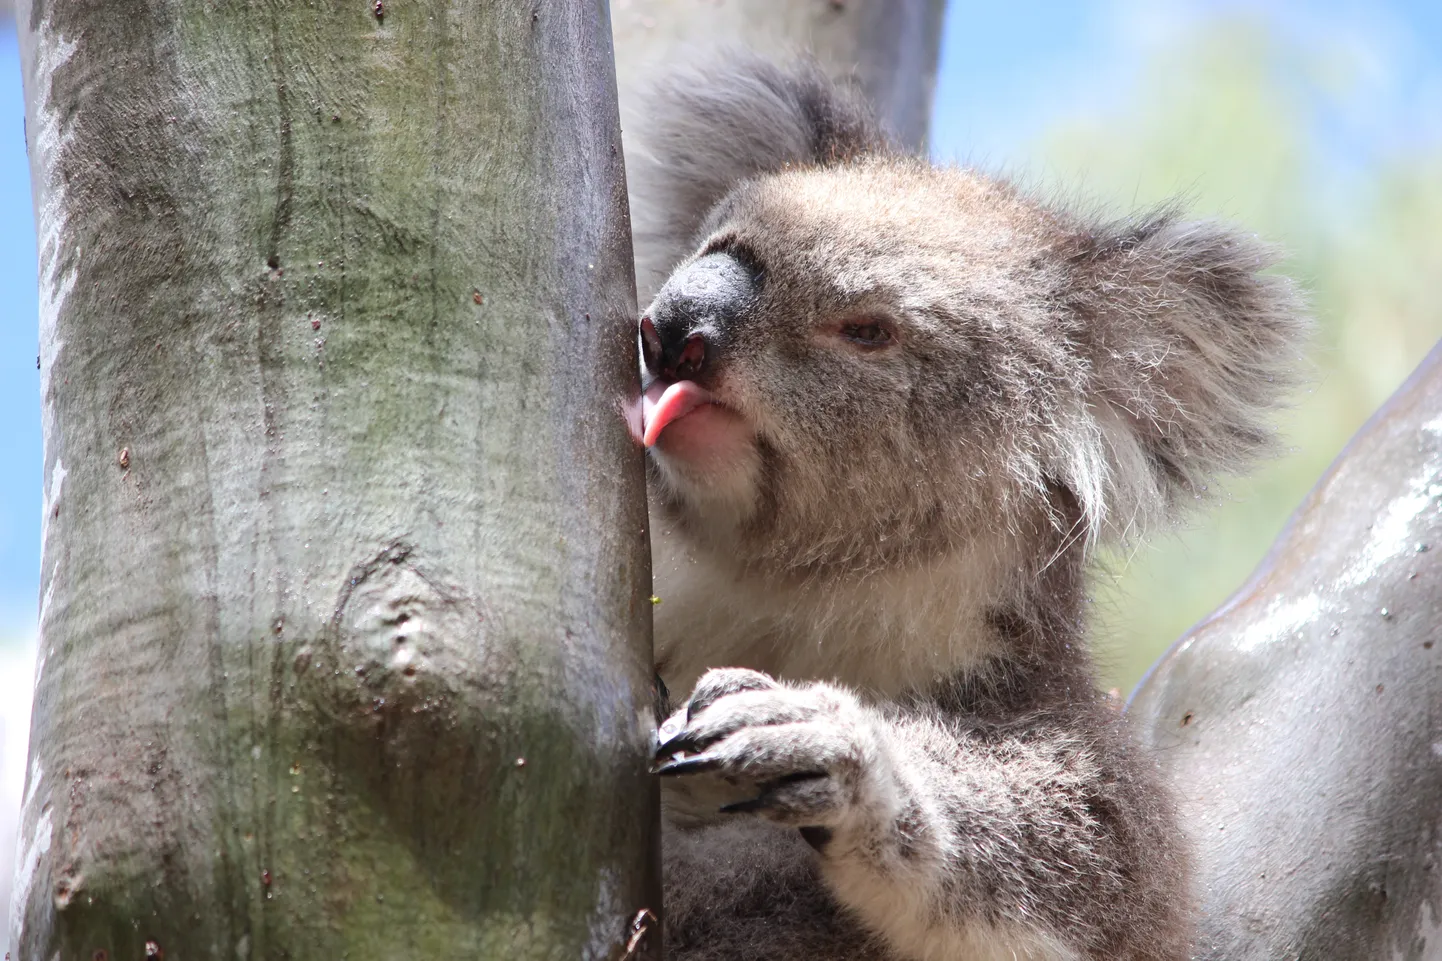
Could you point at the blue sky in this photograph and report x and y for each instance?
(1008, 73)
(19, 380)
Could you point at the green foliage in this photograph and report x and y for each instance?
(1235, 121)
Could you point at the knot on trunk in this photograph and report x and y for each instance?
(406, 651)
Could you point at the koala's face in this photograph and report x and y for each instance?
(840, 376)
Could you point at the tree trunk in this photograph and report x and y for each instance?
(345, 631)
(889, 48)
(1303, 721)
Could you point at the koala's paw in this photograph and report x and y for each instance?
(812, 753)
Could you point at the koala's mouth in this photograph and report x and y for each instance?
(664, 404)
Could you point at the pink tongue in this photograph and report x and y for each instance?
(665, 403)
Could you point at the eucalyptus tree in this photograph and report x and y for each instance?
(345, 620)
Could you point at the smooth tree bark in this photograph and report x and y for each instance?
(345, 621)
(1302, 721)
(887, 48)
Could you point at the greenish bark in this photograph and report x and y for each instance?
(345, 633)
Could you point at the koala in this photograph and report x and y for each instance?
(891, 409)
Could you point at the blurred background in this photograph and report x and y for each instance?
(1316, 124)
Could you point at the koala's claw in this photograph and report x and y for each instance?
(780, 797)
(722, 682)
(688, 765)
(807, 749)
(680, 743)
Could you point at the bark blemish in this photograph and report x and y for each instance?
(65, 889)
(410, 644)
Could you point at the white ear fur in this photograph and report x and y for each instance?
(1192, 343)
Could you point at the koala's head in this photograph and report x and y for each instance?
(864, 360)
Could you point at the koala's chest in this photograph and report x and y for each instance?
(890, 633)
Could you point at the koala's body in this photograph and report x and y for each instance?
(890, 408)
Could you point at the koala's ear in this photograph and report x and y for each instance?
(707, 128)
(1192, 345)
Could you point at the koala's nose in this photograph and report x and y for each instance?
(695, 315)
(677, 360)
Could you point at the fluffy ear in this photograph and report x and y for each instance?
(707, 128)
(1192, 345)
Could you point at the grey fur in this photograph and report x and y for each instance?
(879, 603)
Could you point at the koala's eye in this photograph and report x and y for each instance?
(866, 333)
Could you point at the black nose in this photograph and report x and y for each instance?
(678, 360)
(695, 315)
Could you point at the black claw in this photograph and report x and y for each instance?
(767, 798)
(743, 807)
(681, 742)
(688, 765)
(661, 700)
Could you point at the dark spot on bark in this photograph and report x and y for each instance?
(1186, 718)
(817, 837)
(273, 262)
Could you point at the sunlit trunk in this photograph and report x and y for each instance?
(344, 634)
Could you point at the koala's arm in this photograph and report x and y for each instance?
(944, 835)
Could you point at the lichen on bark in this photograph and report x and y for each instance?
(350, 656)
